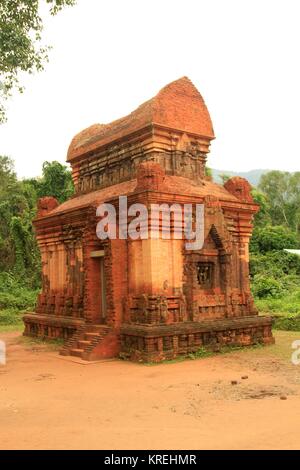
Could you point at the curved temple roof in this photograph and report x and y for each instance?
(178, 105)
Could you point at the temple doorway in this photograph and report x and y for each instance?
(99, 288)
(102, 291)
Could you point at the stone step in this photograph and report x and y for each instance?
(91, 336)
(83, 343)
(76, 352)
(98, 328)
(85, 340)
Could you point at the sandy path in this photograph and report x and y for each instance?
(49, 403)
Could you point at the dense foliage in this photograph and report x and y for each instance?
(19, 255)
(275, 274)
(282, 190)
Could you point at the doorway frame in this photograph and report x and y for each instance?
(99, 254)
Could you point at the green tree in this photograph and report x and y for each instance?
(20, 42)
(273, 238)
(262, 217)
(294, 201)
(7, 173)
(265, 286)
(17, 208)
(56, 181)
(282, 192)
(19, 254)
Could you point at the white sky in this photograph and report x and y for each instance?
(110, 56)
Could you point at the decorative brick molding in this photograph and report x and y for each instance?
(155, 344)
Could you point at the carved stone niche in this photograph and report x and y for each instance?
(205, 274)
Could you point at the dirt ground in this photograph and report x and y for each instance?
(49, 402)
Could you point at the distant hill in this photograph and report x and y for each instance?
(253, 176)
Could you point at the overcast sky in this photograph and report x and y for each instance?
(110, 56)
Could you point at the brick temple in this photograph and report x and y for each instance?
(147, 299)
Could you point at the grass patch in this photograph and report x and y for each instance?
(55, 343)
(199, 354)
(289, 303)
(281, 349)
(285, 310)
(283, 344)
(15, 299)
(13, 327)
(286, 322)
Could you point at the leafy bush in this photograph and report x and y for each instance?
(264, 286)
(15, 293)
(275, 263)
(287, 323)
(10, 316)
(285, 309)
(270, 238)
(21, 299)
(289, 303)
(15, 298)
